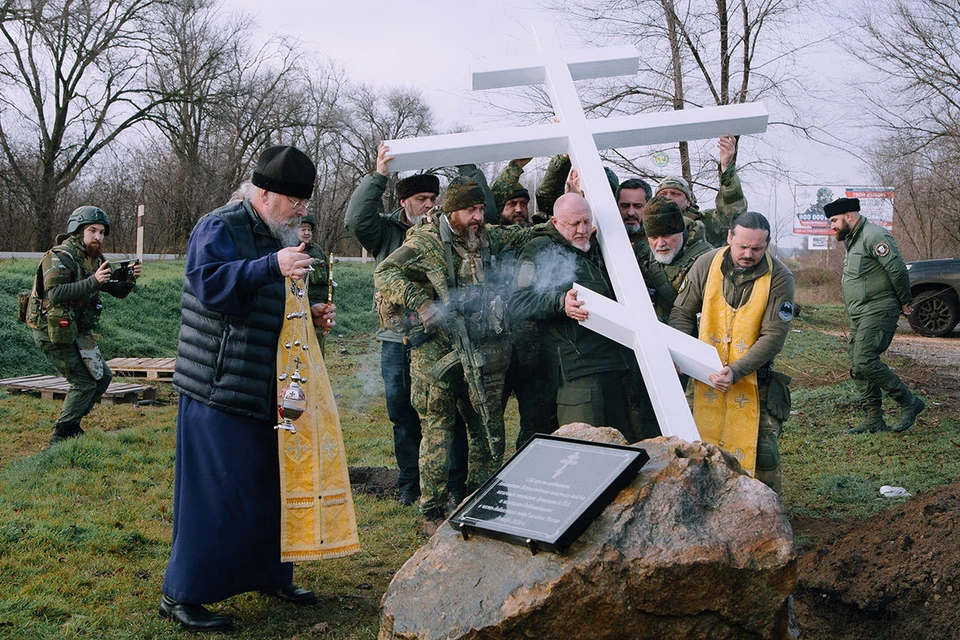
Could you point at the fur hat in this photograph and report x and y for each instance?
(462, 194)
(418, 183)
(662, 217)
(286, 170)
(841, 205)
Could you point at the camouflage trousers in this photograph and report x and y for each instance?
(769, 469)
(437, 400)
(84, 390)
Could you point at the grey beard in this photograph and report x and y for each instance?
(285, 234)
(585, 247)
(633, 228)
(665, 259)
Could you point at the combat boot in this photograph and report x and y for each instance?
(65, 430)
(872, 421)
(432, 521)
(909, 413)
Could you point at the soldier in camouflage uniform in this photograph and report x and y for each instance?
(381, 234)
(876, 289)
(675, 243)
(68, 286)
(512, 199)
(320, 276)
(447, 271)
(730, 201)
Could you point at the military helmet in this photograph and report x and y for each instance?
(82, 216)
(310, 220)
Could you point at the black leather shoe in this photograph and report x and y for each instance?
(195, 617)
(292, 593)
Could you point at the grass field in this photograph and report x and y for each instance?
(86, 525)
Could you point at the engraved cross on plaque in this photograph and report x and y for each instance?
(630, 320)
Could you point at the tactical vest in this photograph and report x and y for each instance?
(229, 362)
(65, 321)
(471, 293)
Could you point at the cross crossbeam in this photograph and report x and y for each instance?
(630, 320)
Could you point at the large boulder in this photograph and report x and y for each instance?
(692, 548)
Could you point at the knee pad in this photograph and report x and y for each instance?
(768, 453)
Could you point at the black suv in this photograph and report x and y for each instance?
(935, 285)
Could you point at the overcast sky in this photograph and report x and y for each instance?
(431, 45)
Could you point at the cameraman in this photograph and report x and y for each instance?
(73, 274)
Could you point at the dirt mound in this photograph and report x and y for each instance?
(380, 482)
(894, 576)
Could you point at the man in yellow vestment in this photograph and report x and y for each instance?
(745, 298)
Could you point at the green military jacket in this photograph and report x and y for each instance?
(71, 291)
(875, 278)
(548, 267)
(666, 279)
(730, 203)
(417, 271)
(737, 287)
(381, 234)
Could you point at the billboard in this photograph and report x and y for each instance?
(818, 243)
(876, 204)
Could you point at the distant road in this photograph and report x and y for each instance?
(147, 257)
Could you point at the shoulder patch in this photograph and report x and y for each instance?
(785, 311)
(683, 286)
(525, 276)
(882, 249)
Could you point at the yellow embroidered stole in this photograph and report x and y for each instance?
(731, 420)
(317, 518)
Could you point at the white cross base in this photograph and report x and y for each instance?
(630, 320)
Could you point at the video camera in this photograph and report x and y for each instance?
(123, 271)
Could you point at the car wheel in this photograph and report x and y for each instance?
(934, 314)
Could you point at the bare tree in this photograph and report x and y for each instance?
(913, 44)
(376, 114)
(692, 54)
(927, 204)
(73, 78)
(230, 102)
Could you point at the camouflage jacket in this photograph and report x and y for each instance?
(502, 188)
(737, 288)
(417, 271)
(730, 203)
(71, 290)
(666, 279)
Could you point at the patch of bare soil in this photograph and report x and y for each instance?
(380, 482)
(895, 576)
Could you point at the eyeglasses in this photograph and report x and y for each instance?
(297, 203)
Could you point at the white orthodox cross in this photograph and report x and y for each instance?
(630, 320)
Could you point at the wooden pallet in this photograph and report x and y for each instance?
(55, 388)
(149, 368)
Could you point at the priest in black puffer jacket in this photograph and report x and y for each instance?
(226, 505)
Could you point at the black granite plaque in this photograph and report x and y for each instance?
(549, 492)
